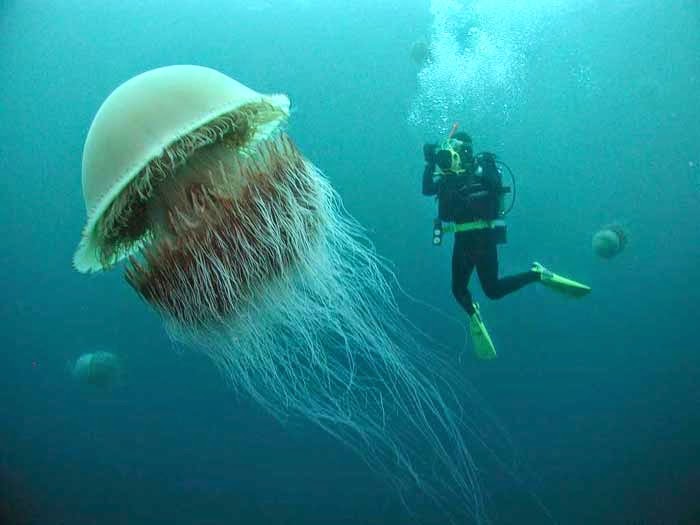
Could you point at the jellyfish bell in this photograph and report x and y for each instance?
(609, 241)
(146, 129)
(244, 249)
(97, 369)
(606, 243)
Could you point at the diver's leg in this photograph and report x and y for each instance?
(463, 257)
(462, 267)
(487, 269)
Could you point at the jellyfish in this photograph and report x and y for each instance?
(609, 241)
(243, 248)
(420, 52)
(98, 369)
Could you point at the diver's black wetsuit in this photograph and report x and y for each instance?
(466, 198)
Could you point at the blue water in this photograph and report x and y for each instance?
(595, 107)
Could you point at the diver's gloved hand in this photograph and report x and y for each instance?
(429, 153)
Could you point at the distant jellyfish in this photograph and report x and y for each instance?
(609, 241)
(420, 52)
(98, 369)
(244, 249)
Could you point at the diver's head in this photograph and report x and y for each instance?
(456, 154)
(465, 149)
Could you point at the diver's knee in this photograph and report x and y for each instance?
(461, 295)
(493, 292)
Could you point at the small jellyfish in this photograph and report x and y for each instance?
(420, 52)
(609, 241)
(98, 369)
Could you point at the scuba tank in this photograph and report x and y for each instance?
(505, 190)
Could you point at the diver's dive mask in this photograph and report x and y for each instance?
(453, 155)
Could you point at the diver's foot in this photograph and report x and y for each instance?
(559, 283)
(483, 345)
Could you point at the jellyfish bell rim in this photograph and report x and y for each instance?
(138, 121)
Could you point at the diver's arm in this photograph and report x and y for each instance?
(491, 175)
(430, 186)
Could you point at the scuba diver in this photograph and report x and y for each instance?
(471, 195)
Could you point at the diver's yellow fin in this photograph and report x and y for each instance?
(560, 284)
(483, 345)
